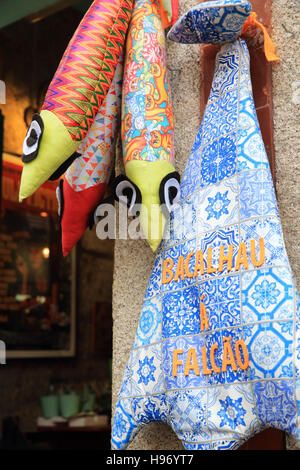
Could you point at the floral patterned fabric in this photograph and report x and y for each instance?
(216, 353)
(147, 115)
(147, 123)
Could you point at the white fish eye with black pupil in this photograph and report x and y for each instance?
(126, 192)
(170, 191)
(33, 138)
(60, 199)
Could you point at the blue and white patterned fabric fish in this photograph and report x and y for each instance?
(216, 353)
(212, 22)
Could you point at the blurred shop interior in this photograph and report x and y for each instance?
(55, 312)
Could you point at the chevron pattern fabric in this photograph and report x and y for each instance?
(86, 180)
(86, 70)
(97, 149)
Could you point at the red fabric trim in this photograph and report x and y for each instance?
(77, 208)
(175, 11)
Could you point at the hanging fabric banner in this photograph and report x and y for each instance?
(216, 353)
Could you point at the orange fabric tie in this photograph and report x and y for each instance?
(269, 45)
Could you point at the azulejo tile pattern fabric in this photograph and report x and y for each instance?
(212, 22)
(197, 301)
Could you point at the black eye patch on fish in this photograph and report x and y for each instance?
(64, 166)
(60, 199)
(126, 192)
(169, 192)
(33, 138)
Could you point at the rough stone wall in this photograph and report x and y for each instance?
(286, 105)
(134, 260)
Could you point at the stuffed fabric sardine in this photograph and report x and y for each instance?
(75, 94)
(86, 180)
(208, 23)
(147, 123)
(216, 353)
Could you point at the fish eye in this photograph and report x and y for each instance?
(169, 192)
(126, 192)
(32, 139)
(60, 199)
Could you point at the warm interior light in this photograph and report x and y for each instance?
(46, 252)
(44, 214)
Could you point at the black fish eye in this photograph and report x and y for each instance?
(172, 193)
(60, 199)
(169, 192)
(33, 138)
(125, 191)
